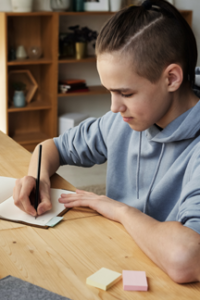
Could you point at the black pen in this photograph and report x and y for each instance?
(38, 179)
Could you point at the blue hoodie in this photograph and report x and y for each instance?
(158, 172)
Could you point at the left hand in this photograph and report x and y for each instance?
(105, 206)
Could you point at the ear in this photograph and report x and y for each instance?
(174, 77)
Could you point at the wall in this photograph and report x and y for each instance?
(193, 5)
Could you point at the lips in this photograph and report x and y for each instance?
(127, 119)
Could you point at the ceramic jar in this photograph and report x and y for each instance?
(22, 5)
(19, 99)
(21, 52)
(60, 5)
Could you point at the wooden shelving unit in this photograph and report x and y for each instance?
(37, 121)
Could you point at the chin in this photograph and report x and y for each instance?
(139, 127)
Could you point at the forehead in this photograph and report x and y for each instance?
(114, 60)
(117, 69)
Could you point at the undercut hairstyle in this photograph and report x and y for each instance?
(155, 36)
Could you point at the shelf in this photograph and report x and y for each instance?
(85, 13)
(29, 137)
(29, 14)
(19, 62)
(65, 13)
(93, 90)
(35, 105)
(74, 60)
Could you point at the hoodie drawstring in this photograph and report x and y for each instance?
(154, 177)
(138, 167)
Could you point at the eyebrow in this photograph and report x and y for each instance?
(124, 90)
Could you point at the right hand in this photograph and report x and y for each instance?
(22, 192)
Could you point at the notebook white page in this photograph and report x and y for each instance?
(9, 211)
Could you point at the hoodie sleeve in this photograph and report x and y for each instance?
(189, 210)
(86, 144)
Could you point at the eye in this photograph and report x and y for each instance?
(126, 95)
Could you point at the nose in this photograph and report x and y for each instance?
(117, 104)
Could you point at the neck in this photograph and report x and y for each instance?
(181, 101)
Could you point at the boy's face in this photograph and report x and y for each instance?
(140, 102)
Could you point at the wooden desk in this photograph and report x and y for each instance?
(61, 258)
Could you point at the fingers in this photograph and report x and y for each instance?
(24, 198)
(80, 198)
(45, 204)
(21, 193)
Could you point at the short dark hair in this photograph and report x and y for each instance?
(157, 37)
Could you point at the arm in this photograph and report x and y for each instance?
(79, 146)
(49, 163)
(25, 185)
(172, 246)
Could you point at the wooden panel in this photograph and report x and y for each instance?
(26, 31)
(187, 14)
(54, 79)
(19, 62)
(36, 105)
(31, 31)
(24, 122)
(47, 37)
(3, 74)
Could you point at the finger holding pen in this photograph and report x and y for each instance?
(24, 196)
(25, 188)
(21, 194)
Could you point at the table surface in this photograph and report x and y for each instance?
(61, 258)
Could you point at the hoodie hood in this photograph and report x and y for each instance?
(179, 129)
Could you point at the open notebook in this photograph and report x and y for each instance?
(9, 211)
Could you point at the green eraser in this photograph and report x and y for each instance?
(54, 221)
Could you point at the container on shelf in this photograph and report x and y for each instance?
(34, 52)
(60, 5)
(21, 52)
(70, 120)
(81, 50)
(27, 78)
(22, 5)
(78, 5)
(115, 5)
(19, 99)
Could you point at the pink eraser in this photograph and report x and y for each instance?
(134, 281)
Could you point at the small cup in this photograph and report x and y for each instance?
(21, 52)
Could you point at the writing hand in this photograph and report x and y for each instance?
(22, 196)
(107, 207)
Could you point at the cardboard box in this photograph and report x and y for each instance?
(70, 120)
